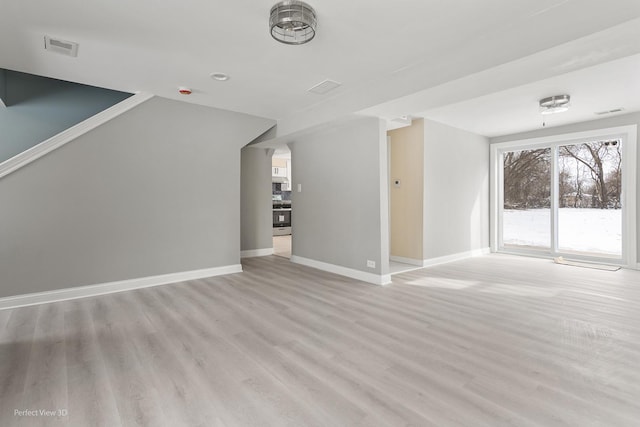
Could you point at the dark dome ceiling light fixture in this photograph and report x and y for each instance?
(293, 22)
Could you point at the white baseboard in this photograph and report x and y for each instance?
(112, 287)
(455, 257)
(404, 260)
(250, 253)
(376, 279)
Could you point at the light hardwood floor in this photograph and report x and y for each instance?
(491, 341)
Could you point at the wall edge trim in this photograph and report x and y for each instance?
(34, 153)
(113, 287)
(376, 279)
(410, 261)
(456, 257)
(252, 253)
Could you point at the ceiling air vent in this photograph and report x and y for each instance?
(324, 87)
(615, 110)
(61, 46)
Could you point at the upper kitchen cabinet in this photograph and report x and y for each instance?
(281, 172)
(279, 167)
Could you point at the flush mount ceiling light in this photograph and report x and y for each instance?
(554, 104)
(293, 22)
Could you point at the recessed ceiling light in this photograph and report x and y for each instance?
(221, 77)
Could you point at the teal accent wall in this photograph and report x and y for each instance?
(37, 108)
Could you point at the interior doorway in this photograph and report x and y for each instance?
(281, 200)
(404, 171)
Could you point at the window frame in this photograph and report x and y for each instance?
(628, 136)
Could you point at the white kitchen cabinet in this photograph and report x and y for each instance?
(279, 172)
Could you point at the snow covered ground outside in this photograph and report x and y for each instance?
(583, 230)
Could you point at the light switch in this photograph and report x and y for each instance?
(299, 188)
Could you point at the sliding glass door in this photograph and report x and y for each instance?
(564, 198)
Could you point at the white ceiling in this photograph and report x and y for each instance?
(599, 88)
(379, 51)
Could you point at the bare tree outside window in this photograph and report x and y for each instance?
(592, 166)
(526, 179)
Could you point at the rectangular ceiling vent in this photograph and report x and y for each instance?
(324, 87)
(615, 110)
(61, 46)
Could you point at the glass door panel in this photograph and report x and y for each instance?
(589, 198)
(526, 215)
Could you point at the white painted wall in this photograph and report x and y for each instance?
(456, 191)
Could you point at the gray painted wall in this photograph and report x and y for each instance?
(154, 191)
(622, 120)
(341, 215)
(39, 108)
(456, 188)
(256, 221)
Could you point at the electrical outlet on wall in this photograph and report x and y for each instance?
(371, 264)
